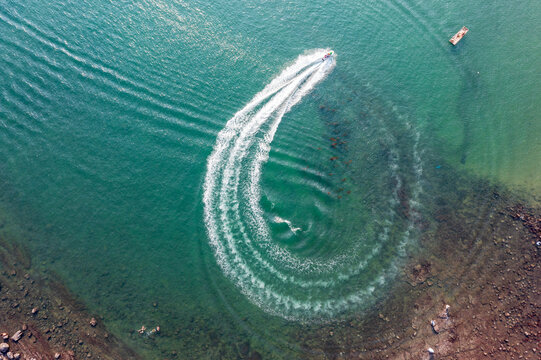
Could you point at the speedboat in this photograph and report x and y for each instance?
(327, 55)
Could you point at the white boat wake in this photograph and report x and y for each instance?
(270, 276)
(280, 220)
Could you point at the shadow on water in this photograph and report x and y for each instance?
(468, 108)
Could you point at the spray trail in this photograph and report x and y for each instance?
(269, 275)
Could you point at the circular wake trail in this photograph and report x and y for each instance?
(271, 276)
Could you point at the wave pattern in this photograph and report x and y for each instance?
(274, 278)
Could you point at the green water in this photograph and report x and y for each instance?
(109, 112)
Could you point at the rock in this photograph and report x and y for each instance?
(93, 322)
(10, 355)
(35, 311)
(17, 336)
(16, 356)
(444, 313)
(4, 348)
(435, 327)
(5, 336)
(430, 351)
(24, 327)
(57, 355)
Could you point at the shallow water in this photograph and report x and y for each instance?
(110, 114)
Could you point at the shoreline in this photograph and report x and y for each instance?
(50, 321)
(480, 257)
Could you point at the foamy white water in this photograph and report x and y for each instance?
(269, 275)
(280, 220)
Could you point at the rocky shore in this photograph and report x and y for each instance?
(494, 311)
(471, 291)
(40, 319)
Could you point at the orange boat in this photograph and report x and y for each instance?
(458, 36)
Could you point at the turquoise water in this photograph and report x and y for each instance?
(116, 162)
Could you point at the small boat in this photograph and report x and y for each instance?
(458, 36)
(327, 55)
